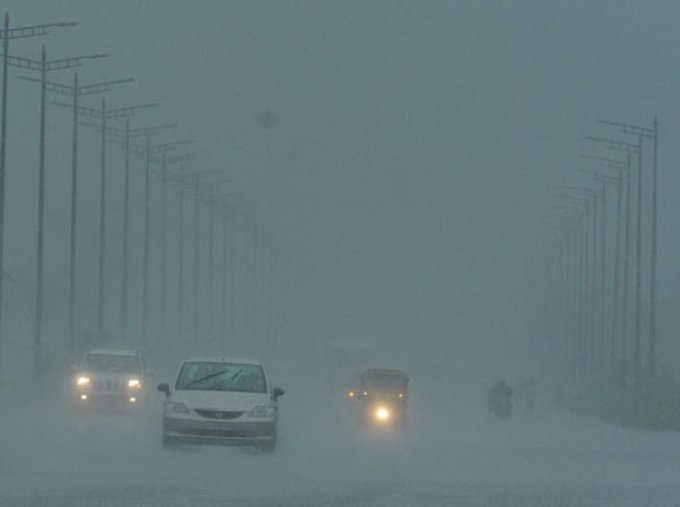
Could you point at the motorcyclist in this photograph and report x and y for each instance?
(500, 399)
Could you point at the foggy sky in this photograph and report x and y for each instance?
(414, 162)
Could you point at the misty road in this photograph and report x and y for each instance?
(417, 252)
(53, 457)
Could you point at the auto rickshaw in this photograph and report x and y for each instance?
(381, 399)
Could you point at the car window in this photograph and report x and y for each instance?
(208, 376)
(390, 382)
(112, 363)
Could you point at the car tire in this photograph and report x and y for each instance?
(270, 447)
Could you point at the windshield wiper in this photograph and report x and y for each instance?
(202, 379)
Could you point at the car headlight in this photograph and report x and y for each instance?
(177, 408)
(382, 414)
(134, 383)
(261, 411)
(83, 381)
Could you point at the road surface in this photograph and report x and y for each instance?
(452, 454)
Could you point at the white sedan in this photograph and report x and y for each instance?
(219, 400)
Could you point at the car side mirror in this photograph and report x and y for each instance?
(164, 388)
(278, 392)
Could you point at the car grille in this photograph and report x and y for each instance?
(108, 385)
(205, 432)
(218, 429)
(219, 414)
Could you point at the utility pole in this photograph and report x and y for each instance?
(211, 266)
(587, 298)
(654, 254)
(197, 180)
(163, 148)
(148, 152)
(126, 137)
(102, 225)
(164, 243)
(652, 134)
(593, 195)
(180, 285)
(621, 169)
(226, 286)
(193, 180)
(103, 115)
(638, 271)
(43, 66)
(629, 148)
(75, 91)
(6, 34)
(603, 263)
(165, 161)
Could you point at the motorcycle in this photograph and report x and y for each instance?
(501, 407)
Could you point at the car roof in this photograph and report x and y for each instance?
(113, 352)
(217, 359)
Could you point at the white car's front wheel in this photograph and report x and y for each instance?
(270, 446)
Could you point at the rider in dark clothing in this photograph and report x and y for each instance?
(501, 389)
(500, 399)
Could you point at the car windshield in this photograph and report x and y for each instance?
(385, 382)
(206, 376)
(112, 363)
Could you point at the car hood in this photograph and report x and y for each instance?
(220, 400)
(111, 376)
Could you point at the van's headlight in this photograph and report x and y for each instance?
(177, 408)
(83, 381)
(261, 411)
(134, 383)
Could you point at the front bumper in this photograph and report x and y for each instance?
(108, 399)
(226, 432)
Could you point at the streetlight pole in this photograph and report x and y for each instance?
(43, 66)
(194, 180)
(649, 133)
(75, 91)
(637, 148)
(211, 267)
(593, 195)
(164, 242)
(178, 159)
(654, 259)
(606, 179)
(180, 286)
(127, 135)
(602, 269)
(197, 179)
(621, 168)
(163, 148)
(586, 306)
(6, 34)
(103, 115)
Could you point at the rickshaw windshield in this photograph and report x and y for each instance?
(385, 382)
